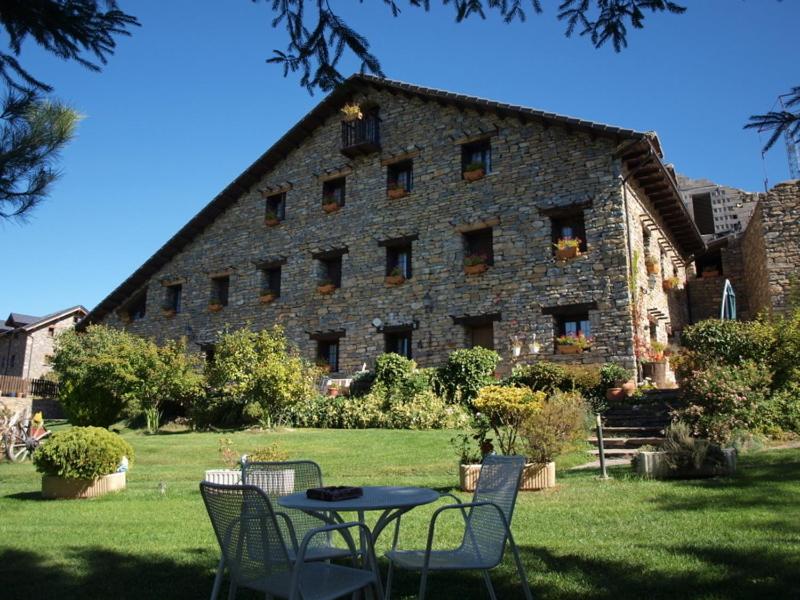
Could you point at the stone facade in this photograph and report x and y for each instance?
(539, 173)
(25, 351)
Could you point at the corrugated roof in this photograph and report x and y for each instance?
(297, 134)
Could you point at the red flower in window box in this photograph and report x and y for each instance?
(271, 219)
(395, 277)
(267, 296)
(474, 171)
(567, 248)
(395, 191)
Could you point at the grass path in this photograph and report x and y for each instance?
(626, 538)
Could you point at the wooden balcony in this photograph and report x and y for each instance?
(361, 136)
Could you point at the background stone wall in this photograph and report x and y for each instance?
(534, 168)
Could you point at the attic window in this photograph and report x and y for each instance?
(476, 159)
(275, 210)
(333, 193)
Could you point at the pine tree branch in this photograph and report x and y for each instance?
(779, 123)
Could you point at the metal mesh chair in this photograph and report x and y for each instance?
(258, 557)
(487, 528)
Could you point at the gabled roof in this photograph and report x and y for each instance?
(298, 134)
(17, 321)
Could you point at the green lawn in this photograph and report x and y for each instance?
(626, 538)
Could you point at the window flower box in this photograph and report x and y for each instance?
(326, 288)
(572, 344)
(215, 306)
(567, 248)
(267, 297)
(708, 273)
(474, 172)
(271, 220)
(475, 264)
(395, 278)
(330, 206)
(396, 191)
(671, 283)
(168, 312)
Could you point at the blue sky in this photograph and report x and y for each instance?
(188, 102)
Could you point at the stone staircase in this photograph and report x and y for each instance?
(628, 428)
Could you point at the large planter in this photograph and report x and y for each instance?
(225, 476)
(567, 253)
(569, 349)
(60, 487)
(475, 269)
(654, 465)
(614, 393)
(534, 477)
(278, 483)
(656, 372)
(474, 175)
(629, 388)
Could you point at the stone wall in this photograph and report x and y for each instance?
(13, 350)
(534, 171)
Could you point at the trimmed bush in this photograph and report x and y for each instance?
(506, 408)
(540, 376)
(82, 453)
(465, 373)
(729, 342)
(391, 369)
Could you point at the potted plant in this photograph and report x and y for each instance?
(396, 190)
(267, 296)
(683, 456)
(567, 248)
(474, 171)
(232, 474)
(475, 264)
(572, 344)
(329, 203)
(710, 271)
(395, 277)
(652, 265)
(671, 283)
(271, 218)
(351, 112)
(82, 462)
(656, 353)
(617, 381)
(333, 390)
(326, 286)
(471, 448)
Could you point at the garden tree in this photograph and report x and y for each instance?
(780, 122)
(319, 37)
(33, 131)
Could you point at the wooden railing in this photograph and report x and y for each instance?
(21, 387)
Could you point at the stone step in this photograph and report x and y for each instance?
(628, 423)
(615, 452)
(633, 431)
(627, 442)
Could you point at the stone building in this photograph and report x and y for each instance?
(26, 342)
(356, 236)
(718, 210)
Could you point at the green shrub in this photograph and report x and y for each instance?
(465, 372)
(254, 370)
(541, 376)
(729, 342)
(685, 453)
(784, 408)
(391, 369)
(271, 453)
(560, 422)
(724, 398)
(613, 375)
(82, 453)
(507, 408)
(362, 383)
(425, 410)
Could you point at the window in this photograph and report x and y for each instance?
(219, 290)
(400, 176)
(276, 207)
(653, 331)
(399, 342)
(478, 243)
(328, 353)
(481, 335)
(271, 280)
(172, 298)
(51, 331)
(399, 257)
(331, 270)
(476, 153)
(333, 192)
(646, 237)
(138, 307)
(209, 351)
(569, 227)
(574, 325)
(703, 215)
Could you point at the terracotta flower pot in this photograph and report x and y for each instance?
(567, 253)
(397, 193)
(474, 175)
(267, 298)
(331, 208)
(392, 280)
(653, 268)
(614, 393)
(629, 387)
(569, 349)
(269, 222)
(475, 269)
(215, 307)
(326, 289)
(333, 392)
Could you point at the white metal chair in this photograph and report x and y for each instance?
(258, 557)
(487, 528)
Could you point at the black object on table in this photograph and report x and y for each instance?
(332, 493)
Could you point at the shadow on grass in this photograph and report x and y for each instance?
(25, 496)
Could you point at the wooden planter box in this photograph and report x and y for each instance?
(474, 175)
(225, 476)
(326, 289)
(475, 269)
(654, 466)
(392, 280)
(396, 194)
(534, 477)
(60, 487)
(567, 253)
(330, 208)
(569, 349)
(267, 298)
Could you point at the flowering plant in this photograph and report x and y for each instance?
(570, 242)
(579, 340)
(472, 260)
(352, 112)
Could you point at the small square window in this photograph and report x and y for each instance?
(399, 342)
(574, 325)
(476, 155)
(479, 244)
(481, 336)
(328, 354)
(333, 192)
(275, 208)
(400, 176)
(219, 290)
(172, 298)
(569, 227)
(398, 260)
(51, 331)
(271, 281)
(331, 270)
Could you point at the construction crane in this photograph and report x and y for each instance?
(792, 146)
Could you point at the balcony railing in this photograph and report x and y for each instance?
(361, 136)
